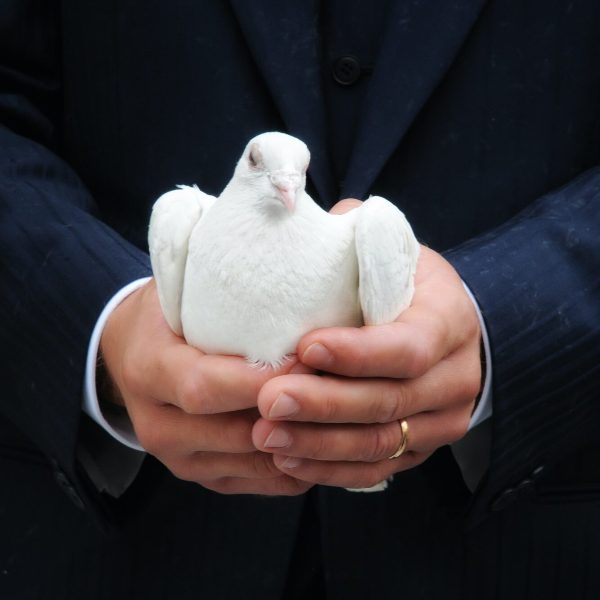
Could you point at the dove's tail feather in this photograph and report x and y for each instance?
(378, 487)
(261, 365)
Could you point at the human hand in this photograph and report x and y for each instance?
(192, 411)
(339, 429)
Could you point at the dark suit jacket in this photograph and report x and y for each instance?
(481, 121)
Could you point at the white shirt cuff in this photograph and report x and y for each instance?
(118, 426)
(484, 406)
(472, 452)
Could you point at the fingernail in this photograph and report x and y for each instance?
(284, 406)
(317, 355)
(278, 438)
(291, 462)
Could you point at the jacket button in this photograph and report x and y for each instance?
(537, 472)
(346, 70)
(68, 489)
(508, 496)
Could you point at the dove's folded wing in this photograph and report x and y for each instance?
(174, 215)
(387, 252)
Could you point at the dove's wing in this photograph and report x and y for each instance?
(387, 252)
(174, 215)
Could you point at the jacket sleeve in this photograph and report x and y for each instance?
(537, 282)
(59, 264)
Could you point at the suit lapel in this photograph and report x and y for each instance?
(284, 40)
(419, 45)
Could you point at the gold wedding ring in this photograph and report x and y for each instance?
(403, 442)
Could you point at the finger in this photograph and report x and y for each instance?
(328, 399)
(167, 431)
(440, 319)
(344, 206)
(408, 347)
(205, 384)
(336, 442)
(210, 466)
(279, 486)
(361, 443)
(346, 474)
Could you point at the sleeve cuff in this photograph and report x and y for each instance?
(484, 406)
(117, 425)
(472, 452)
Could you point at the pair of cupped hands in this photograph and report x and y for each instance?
(331, 415)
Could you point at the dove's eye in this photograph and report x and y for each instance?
(254, 157)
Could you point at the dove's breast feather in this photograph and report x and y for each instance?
(255, 287)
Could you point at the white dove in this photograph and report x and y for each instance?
(251, 272)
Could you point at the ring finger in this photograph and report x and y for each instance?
(346, 474)
(359, 443)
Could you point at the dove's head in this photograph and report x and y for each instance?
(274, 165)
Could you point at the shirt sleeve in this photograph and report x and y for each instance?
(483, 410)
(111, 453)
(472, 452)
(117, 423)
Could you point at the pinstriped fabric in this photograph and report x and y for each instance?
(515, 115)
(546, 351)
(539, 550)
(54, 280)
(164, 551)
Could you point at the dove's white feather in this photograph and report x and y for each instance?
(387, 252)
(255, 286)
(174, 215)
(252, 277)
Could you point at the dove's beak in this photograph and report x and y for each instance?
(288, 196)
(287, 182)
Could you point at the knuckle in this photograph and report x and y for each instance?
(329, 408)
(358, 359)
(390, 404)
(438, 330)
(319, 447)
(380, 442)
(350, 354)
(420, 359)
(261, 466)
(191, 395)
